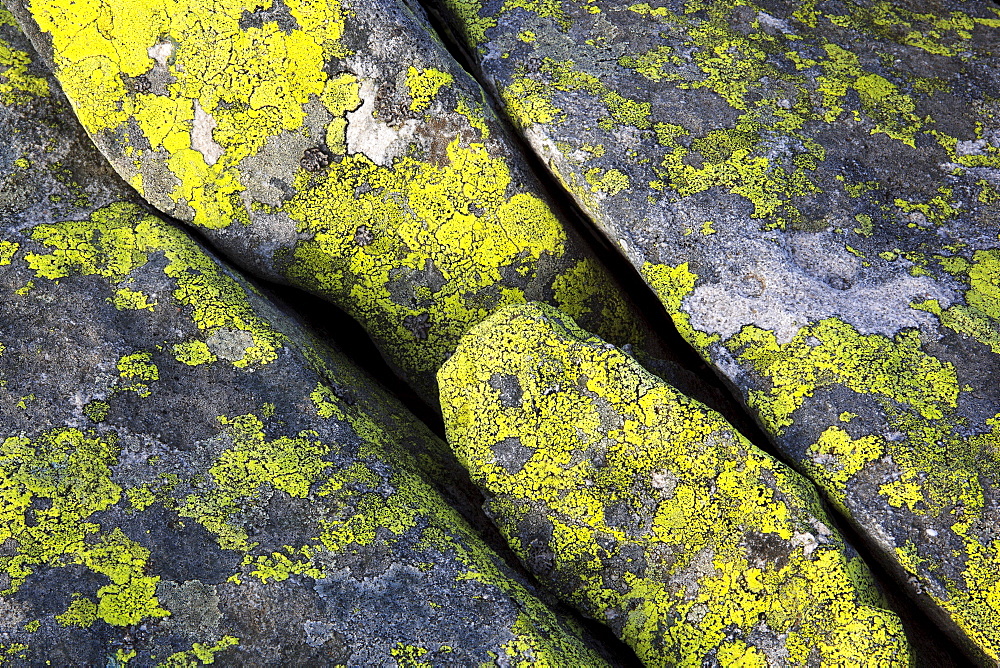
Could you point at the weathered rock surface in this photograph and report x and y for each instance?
(185, 476)
(333, 145)
(649, 511)
(813, 190)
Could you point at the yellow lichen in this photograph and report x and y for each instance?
(69, 472)
(593, 466)
(120, 238)
(424, 85)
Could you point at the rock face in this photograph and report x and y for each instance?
(813, 190)
(649, 511)
(335, 146)
(186, 477)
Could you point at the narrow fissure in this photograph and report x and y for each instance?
(720, 397)
(331, 324)
(932, 647)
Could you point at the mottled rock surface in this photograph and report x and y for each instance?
(649, 511)
(813, 190)
(333, 145)
(186, 477)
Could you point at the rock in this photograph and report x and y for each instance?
(648, 511)
(813, 189)
(334, 146)
(186, 477)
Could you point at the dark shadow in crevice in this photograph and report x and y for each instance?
(693, 377)
(332, 325)
(932, 647)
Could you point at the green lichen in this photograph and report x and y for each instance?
(978, 317)
(408, 656)
(96, 410)
(12, 650)
(132, 300)
(941, 462)
(7, 251)
(832, 352)
(609, 183)
(550, 9)
(252, 85)
(193, 353)
(120, 239)
(463, 219)
(732, 159)
(424, 85)
(66, 473)
(846, 455)
(417, 246)
(939, 33)
(783, 83)
(592, 467)
(671, 285)
(288, 464)
(363, 506)
(200, 654)
(138, 365)
(474, 24)
(81, 612)
(17, 86)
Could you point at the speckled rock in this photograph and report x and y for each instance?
(333, 145)
(186, 477)
(813, 190)
(648, 511)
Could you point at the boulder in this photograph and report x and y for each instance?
(335, 146)
(813, 191)
(186, 475)
(648, 511)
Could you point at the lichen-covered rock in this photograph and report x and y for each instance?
(185, 476)
(813, 190)
(649, 511)
(333, 145)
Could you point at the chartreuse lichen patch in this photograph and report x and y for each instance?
(924, 462)
(776, 73)
(208, 119)
(424, 85)
(846, 154)
(120, 239)
(648, 511)
(410, 207)
(443, 246)
(52, 486)
(57, 484)
(17, 85)
(200, 481)
(979, 316)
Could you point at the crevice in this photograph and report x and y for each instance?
(717, 394)
(331, 324)
(932, 646)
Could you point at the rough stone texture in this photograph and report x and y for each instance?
(333, 145)
(185, 476)
(648, 511)
(813, 190)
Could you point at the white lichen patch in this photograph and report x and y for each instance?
(230, 344)
(161, 52)
(379, 141)
(784, 289)
(201, 135)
